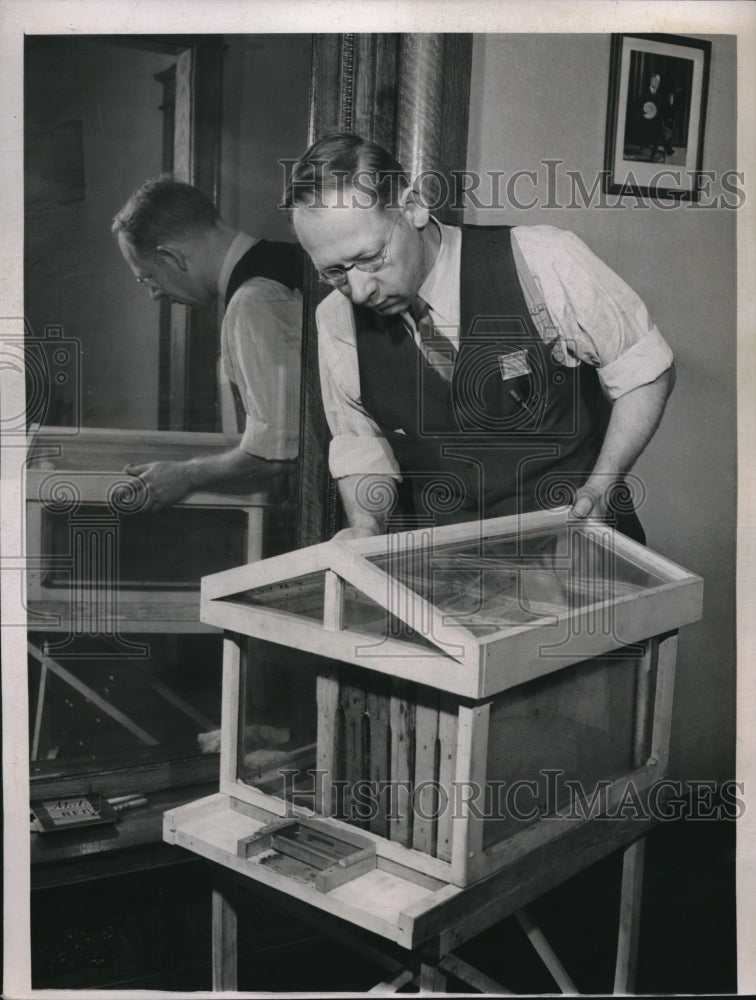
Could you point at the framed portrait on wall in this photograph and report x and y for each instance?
(656, 115)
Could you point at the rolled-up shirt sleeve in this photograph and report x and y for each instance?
(261, 348)
(357, 445)
(595, 315)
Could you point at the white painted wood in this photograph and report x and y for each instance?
(496, 661)
(629, 917)
(412, 911)
(393, 985)
(375, 900)
(209, 805)
(90, 464)
(40, 709)
(467, 973)
(447, 766)
(511, 524)
(665, 684)
(231, 684)
(546, 953)
(470, 778)
(312, 559)
(333, 602)
(94, 487)
(387, 656)
(634, 552)
(517, 655)
(389, 593)
(225, 961)
(145, 615)
(643, 702)
(255, 533)
(68, 439)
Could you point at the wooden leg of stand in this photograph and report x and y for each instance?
(394, 984)
(432, 979)
(225, 954)
(547, 956)
(473, 977)
(629, 918)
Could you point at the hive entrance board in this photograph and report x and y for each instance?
(309, 852)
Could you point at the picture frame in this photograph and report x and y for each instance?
(656, 115)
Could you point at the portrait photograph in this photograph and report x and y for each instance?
(658, 91)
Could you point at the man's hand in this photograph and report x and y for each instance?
(632, 423)
(590, 501)
(166, 482)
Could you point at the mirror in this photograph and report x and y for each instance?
(103, 114)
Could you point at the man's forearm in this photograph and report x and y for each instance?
(210, 470)
(169, 482)
(632, 423)
(367, 500)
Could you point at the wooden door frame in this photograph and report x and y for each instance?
(195, 336)
(189, 338)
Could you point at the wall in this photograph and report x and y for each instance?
(538, 97)
(74, 273)
(265, 111)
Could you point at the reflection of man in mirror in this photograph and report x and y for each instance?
(178, 247)
(413, 391)
(655, 115)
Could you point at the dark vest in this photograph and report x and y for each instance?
(514, 431)
(281, 262)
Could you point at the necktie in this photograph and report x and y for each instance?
(436, 349)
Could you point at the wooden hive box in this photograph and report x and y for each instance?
(458, 700)
(96, 561)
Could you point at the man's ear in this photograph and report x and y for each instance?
(414, 204)
(172, 255)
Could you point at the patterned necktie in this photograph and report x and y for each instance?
(436, 349)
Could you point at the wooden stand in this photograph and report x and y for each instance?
(564, 666)
(430, 966)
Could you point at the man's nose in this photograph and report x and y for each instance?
(361, 286)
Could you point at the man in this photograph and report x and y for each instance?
(656, 110)
(176, 244)
(495, 411)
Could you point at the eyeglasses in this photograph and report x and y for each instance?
(147, 279)
(337, 275)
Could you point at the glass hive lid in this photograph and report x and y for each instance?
(457, 592)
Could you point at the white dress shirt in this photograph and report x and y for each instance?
(261, 343)
(580, 307)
